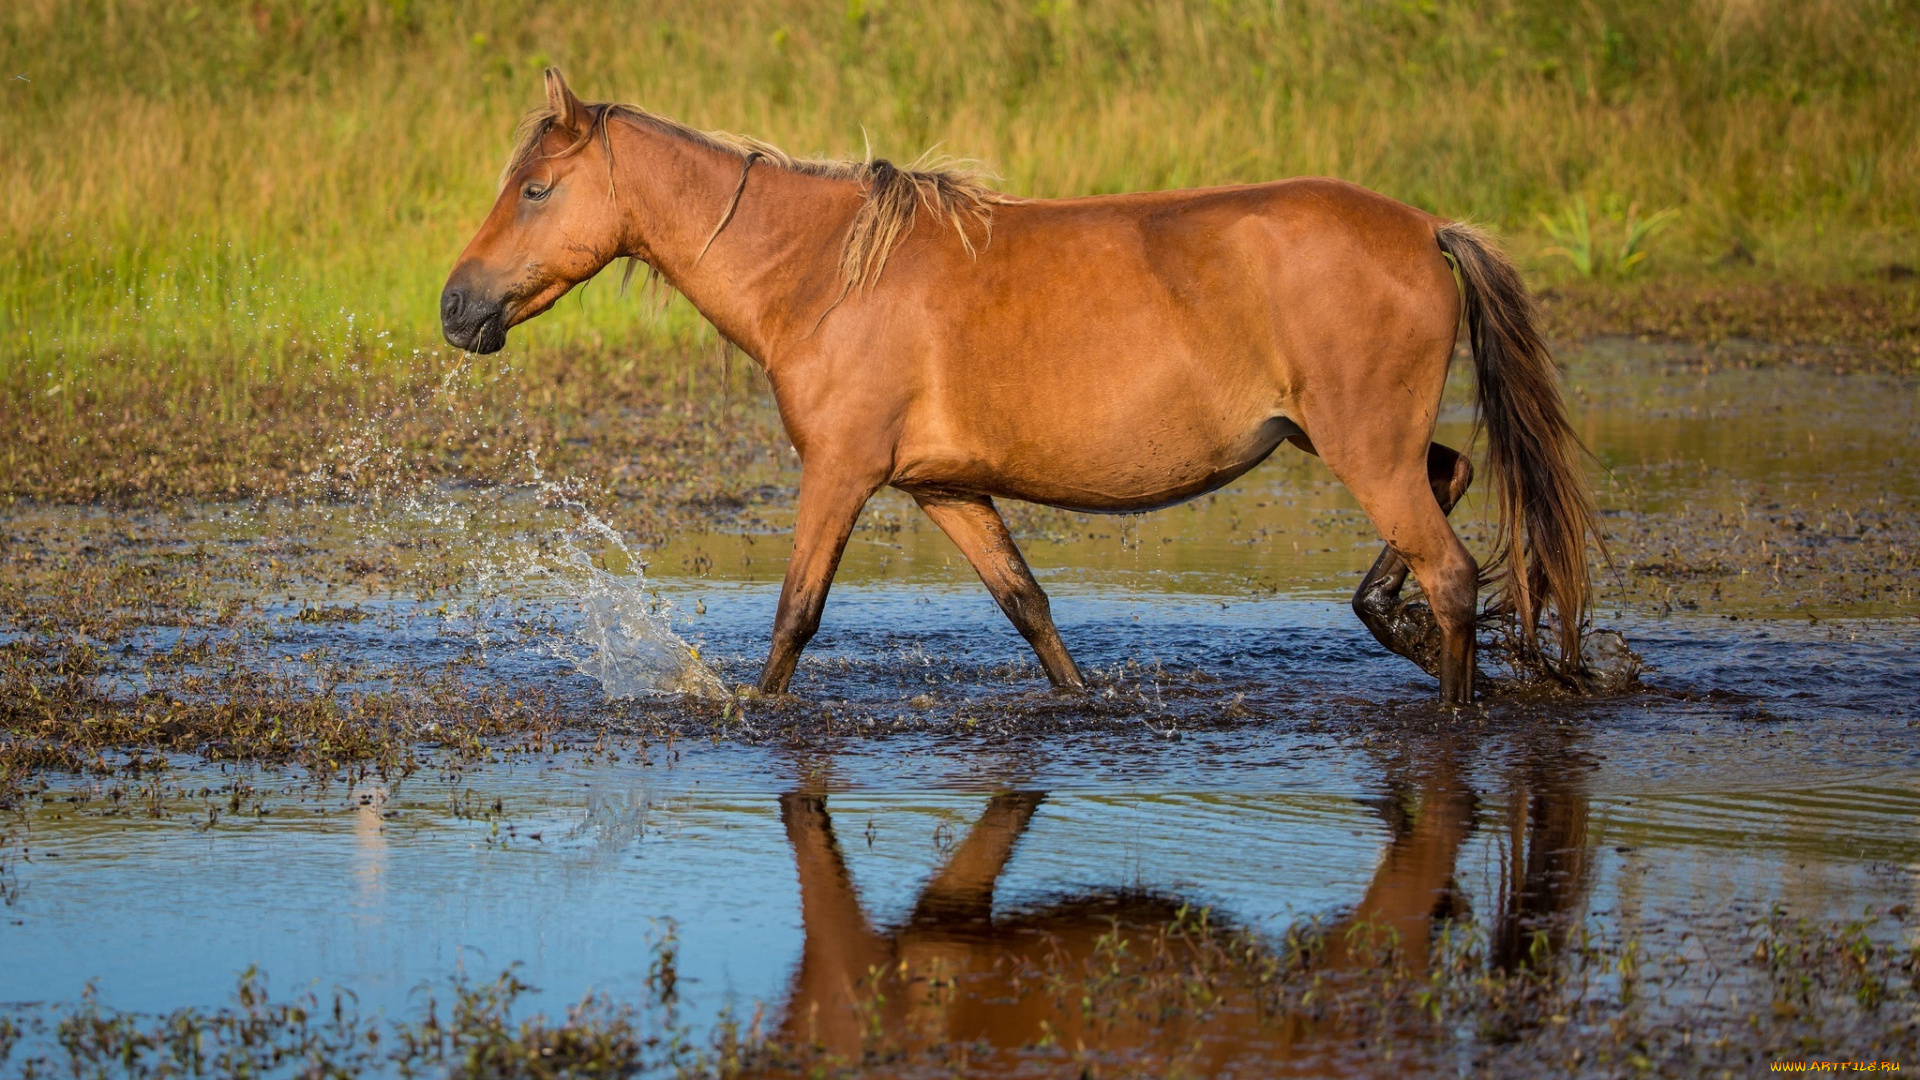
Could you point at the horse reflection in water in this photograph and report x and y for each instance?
(955, 975)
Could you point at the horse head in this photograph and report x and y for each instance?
(554, 225)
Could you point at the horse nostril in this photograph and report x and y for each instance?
(450, 304)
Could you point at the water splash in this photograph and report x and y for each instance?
(633, 651)
(624, 640)
(627, 640)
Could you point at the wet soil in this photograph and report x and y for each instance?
(344, 736)
(1863, 325)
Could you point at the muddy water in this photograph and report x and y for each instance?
(927, 809)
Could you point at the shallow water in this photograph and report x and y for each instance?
(1248, 749)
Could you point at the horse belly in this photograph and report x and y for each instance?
(1124, 472)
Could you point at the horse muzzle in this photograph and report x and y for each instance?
(471, 323)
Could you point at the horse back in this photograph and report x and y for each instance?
(1126, 351)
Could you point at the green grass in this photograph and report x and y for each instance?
(206, 197)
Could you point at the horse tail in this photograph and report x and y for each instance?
(1546, 512)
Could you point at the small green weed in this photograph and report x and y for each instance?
(1576, 240)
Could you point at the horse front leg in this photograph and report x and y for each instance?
(840, 951)
(977, 529)
(831, 497)
(962, 892)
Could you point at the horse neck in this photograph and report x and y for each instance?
(770, 274)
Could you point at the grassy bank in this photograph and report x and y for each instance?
(213, 198)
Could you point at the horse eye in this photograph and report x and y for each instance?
(534, 192)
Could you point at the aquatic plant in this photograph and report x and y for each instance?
(1790, 989)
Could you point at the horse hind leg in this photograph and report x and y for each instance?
(1408, 627)
(1437, 635)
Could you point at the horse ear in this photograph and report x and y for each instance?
(567, 110)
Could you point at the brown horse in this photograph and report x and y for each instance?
(957, 972)
(1110, 354)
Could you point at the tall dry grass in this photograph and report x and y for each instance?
(207, 197)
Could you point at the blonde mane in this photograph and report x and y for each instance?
(892, 195)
